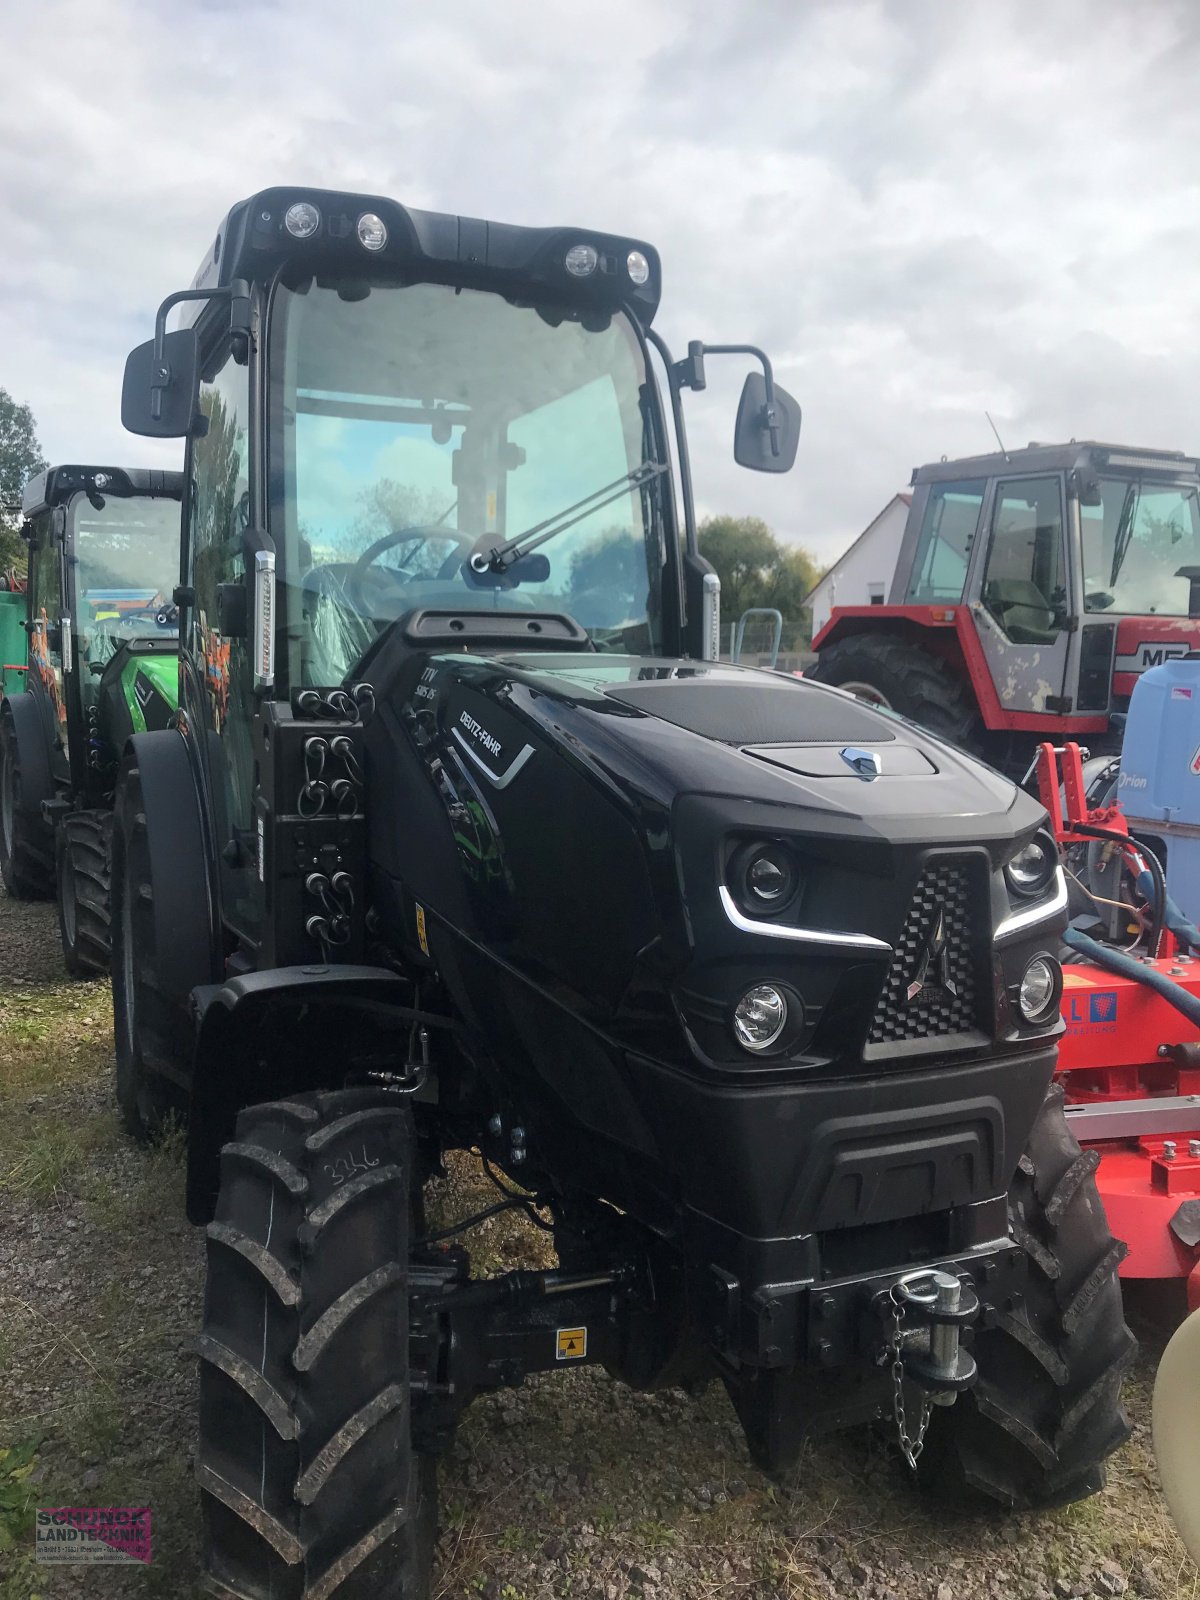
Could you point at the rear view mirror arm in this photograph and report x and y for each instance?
(690, 373)
(238, 295)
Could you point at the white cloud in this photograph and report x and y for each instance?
(922, 210)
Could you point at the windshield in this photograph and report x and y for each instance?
(423, 424)
(126, 561)
(1134, 544)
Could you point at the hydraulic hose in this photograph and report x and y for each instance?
(1185, 931)
(1117, 961)
(1159, 900)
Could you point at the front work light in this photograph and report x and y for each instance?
(302, 220)
(759, 1017)
(1041, 989)
(638, 268)
(581, 260)
(372, 232)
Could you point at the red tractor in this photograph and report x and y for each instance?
(1032, 588)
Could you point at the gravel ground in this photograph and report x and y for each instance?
(571, 1486)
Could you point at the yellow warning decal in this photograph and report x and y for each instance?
(421, 939)
(572, 1344)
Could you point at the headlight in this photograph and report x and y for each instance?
(581, 260)
(759, 1017)
(1031, 869)
(372, 232)
(1041, 989)
(302, 220)
(638, 268)
(764, 877)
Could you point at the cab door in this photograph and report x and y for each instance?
(49, 635)
(218, 700)
(1023, 607)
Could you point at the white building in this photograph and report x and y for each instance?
(863, 576)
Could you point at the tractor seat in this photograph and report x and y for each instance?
(1021, 609)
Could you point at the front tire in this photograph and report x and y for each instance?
(84, 915)
(310, 1486)
(899, 676)
(1046, 1409)
(26, 842)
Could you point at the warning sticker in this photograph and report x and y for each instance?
(1195, 763)
(421, 938)
(572, 1344)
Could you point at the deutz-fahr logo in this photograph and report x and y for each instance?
(932, 975)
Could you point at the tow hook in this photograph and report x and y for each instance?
(944, 1304)
(940, 1302)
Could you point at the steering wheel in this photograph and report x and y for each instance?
(356, 577)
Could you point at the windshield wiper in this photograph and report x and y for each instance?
(1124, 533)
(503, 556)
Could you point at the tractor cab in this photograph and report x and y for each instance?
(402, 423)
(1031, 589)
(103, 634)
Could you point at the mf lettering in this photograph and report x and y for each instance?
(1093, 1013)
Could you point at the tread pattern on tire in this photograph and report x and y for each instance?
(1046, 1410)
(85, 837)
(309, 1485)
(917, 684)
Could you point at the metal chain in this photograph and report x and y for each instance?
(909, 1448)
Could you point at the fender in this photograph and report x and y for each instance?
(283, 1032)
(30, 728)
(181, 874)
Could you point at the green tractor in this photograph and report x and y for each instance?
(102, 665)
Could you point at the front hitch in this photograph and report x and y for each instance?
(936, 1306)
(942, 1303)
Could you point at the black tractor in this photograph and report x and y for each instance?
(102, 665)
(463, 841)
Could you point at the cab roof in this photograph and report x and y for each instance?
(254, 241)
(1084, 455)
(56, 485)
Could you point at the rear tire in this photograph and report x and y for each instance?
(26, 842)
(906, 679)
(1046, 1409)
(309, 1483)
(82, 851)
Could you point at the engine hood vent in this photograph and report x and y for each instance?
(757, 711)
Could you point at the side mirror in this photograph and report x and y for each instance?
(158, 398)
(767, 431)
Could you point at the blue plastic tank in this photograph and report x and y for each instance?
(1159, 782)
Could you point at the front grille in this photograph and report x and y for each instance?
(946, 967)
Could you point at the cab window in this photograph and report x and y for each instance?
(944, 548)
(1023, 587)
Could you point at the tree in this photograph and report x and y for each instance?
(20, 460)
(757, 569)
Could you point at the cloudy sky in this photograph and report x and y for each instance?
(923, 209)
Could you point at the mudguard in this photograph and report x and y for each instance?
(180, 873)
(282, 1032)
(30, 728)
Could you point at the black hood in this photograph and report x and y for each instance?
(716, 729)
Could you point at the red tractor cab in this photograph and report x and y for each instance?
(1031, 589)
